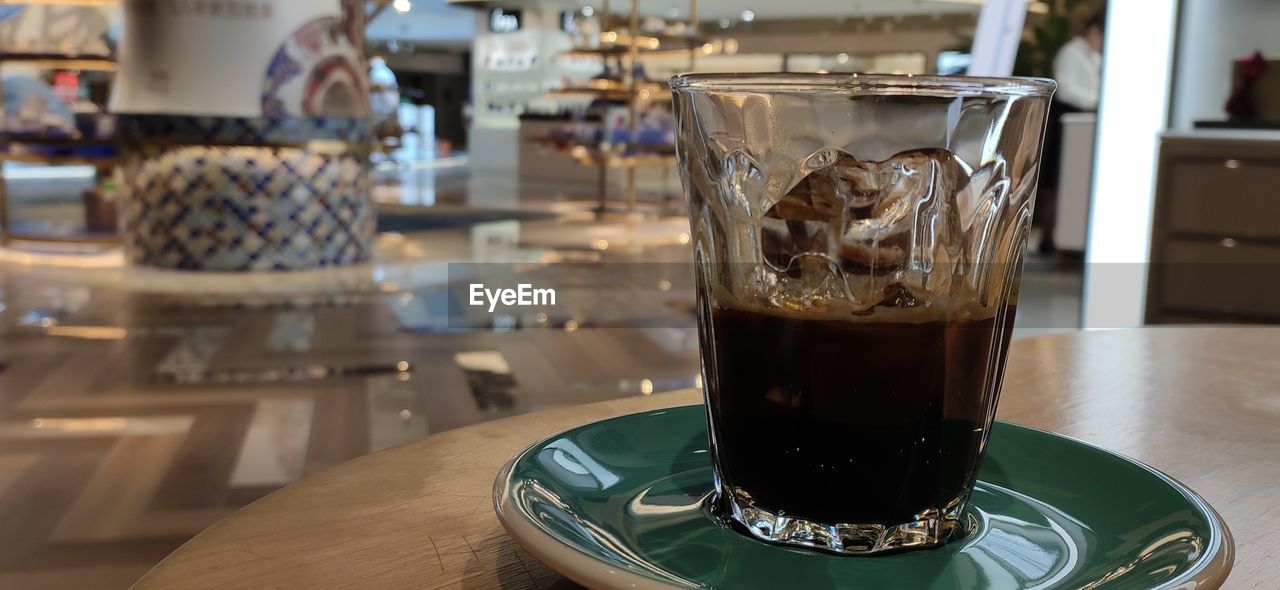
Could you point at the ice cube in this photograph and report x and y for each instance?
(910, 211)
(803, 222)
(746, 182)
(878, 227)
(811, 282)
(859, 234)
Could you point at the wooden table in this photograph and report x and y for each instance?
(1202, 404)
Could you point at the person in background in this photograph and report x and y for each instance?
(1078, 66)
(1078, 70)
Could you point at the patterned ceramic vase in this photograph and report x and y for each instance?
(223, 107)
(246, 208)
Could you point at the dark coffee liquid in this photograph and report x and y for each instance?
(851, 422)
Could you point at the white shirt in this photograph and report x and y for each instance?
(1078, 69)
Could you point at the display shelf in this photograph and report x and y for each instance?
(634, 91)
(593, 157)
(619, 44)
(52, 140)
(615, 93)
(27, 158)
(319, 146)
(589, 93)
(70, 61)
(52, 60)
(1246, 125)
(63, 2)
(80, 238)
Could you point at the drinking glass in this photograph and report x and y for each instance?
(858, 246)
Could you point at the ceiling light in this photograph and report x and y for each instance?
(724, 23)
(402, 6)
(748, 16)
(673, 12)
(842, 58)
(588, 11)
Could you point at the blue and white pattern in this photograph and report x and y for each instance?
(246, 208)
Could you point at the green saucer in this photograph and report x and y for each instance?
(619, 504)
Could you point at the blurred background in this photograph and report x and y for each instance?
(176, 342)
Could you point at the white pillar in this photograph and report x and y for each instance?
(995, 44)
(1134, 110)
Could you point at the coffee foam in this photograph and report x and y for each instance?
(944, 308)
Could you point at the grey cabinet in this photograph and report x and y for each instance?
(1215, 248)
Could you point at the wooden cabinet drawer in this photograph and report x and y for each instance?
(1224, 196)
(1220, 277)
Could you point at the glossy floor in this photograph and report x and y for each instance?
(138, 407)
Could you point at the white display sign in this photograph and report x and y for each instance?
(243, 58)
(995, 44)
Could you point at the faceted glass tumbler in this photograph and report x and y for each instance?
(858, 246)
